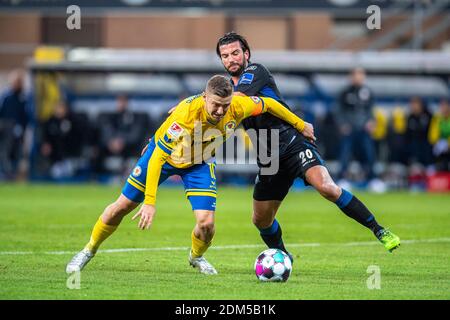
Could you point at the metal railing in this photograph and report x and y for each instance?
(411, 24)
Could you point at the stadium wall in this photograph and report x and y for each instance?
(159, 31)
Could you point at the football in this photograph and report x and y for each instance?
(273, 265)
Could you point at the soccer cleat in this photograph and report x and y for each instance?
(290, 257)
(201, 264)
(388, 239)
(79, 261)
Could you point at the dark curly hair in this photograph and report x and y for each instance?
(233, 37)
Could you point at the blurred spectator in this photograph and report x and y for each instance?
(439, 136)
(418, 125)
(327, 137)
(15, 117)
(356, 124)
(121, 135)
(63, 136)
(397, 137)
(379, 133)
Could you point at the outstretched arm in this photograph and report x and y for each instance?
(260, 105)
(148, 209)
(155, 164)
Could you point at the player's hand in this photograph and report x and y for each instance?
(146, 212)
(308, 132)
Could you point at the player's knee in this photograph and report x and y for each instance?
(121, 207)
(205, 222)
(206, 228)
(124, 207)
(206, 225)
(329, 190)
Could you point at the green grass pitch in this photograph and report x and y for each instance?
(41, 226)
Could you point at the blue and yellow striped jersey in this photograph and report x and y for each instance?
(187, 133)
(189, 124)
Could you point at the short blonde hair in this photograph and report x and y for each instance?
(220, 86)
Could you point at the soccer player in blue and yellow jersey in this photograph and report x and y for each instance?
(179, 147)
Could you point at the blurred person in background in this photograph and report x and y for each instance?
(62, 141)
(357, 124)
(419, 149)
(417, 128)
(379, 133)
(15, 118)
(397, 137)
(355, 115)
(120, 136)
(439, 136)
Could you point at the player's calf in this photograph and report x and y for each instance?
(329, 190)
(201, 237)
(103, 228)
(354, 208)
(205, 230)
(320, 179)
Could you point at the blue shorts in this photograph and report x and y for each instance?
(199, 181)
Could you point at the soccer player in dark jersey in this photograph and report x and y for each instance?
(298, 156)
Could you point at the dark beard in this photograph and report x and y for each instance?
(236, 73)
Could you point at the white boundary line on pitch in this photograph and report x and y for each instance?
(242, 246)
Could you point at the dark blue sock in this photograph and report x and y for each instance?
(355, 209)
(272, 236)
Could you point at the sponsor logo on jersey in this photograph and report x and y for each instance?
(137, 171)
(251, 68)
(167, 139)
(175, 130)
(230, 125)
(246, 78)
(256, 99)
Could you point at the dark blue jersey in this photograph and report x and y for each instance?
(256, 80)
